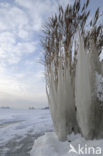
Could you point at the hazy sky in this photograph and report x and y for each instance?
(21, 74)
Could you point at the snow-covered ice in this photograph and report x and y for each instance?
(19, 128)
(49, 145)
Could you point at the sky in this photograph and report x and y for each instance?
(22, 82)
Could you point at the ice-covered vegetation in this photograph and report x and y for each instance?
(72, 45)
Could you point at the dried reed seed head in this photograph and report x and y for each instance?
(62, 27)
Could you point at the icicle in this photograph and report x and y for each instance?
(102, 67)
(61, 100)
(83, 92)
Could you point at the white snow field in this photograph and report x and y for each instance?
(19, 129)
(49, 145)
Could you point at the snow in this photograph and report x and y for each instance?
(18, 124)
(49, 145)
(99, 84)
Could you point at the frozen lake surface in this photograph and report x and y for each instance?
(19, 129)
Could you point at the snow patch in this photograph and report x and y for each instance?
(49, 145)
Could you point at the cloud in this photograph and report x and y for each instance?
(13, 28)
(12, 51)
(12, 17)
(39, 10)
(23, 34)
(21, 76)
